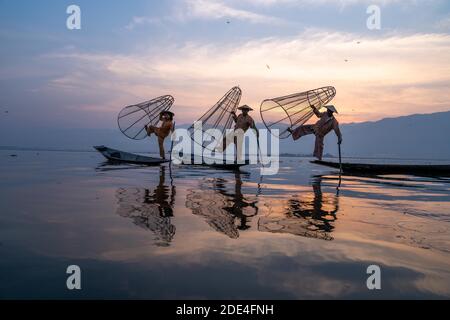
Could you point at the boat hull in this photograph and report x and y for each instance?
(118, 156)
(222, 165)
(361, 168)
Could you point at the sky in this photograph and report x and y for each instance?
(196, 50)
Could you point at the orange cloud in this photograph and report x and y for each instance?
(375, 78)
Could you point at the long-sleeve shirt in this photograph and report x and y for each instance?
(326, 124)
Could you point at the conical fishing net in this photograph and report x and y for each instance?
(293, 110)
(133, 119)
(219, 116)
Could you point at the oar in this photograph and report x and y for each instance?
(260, 154)
(259, 148)
(340, 168)
(170, 157)
(171, 146)
(259, 189)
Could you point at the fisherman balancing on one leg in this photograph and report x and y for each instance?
(326, 123)
(166, 128)
(243, 122)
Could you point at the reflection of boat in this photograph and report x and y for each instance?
(420, 170)
(228, 211)
(225, 210)
(126, 157)
(303, 215)
(150, 209)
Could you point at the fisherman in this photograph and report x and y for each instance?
(166, 128)
(326, 123)
(243, 122)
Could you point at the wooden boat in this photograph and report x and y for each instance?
(223, 165)
(126, 157)
(361, 168)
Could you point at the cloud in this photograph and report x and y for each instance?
(340, 3)
(204, 10)
(396, 75)
(187, 10)
(443, 24)
(214, 9)
(138, 21)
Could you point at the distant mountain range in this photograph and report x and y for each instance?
(421, 136)
(424, 136)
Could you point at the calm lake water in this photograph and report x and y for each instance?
(193, 232)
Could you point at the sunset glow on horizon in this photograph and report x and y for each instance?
(197, 50)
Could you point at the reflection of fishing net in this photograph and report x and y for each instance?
(209, 205)
(133, 119)
(147, 211)
(292, 225)
(221, 203)
(219, 116)
(293, 110)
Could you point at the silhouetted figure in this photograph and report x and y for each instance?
(226, 211)
(243, 122)
(327, 122)
(307, 216)
(162, 132)
(150, 209)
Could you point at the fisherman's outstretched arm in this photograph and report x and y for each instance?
(234, 116)
(317, 112)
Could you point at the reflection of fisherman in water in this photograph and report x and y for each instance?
(227, 211)
(305, 216)
(151, 210)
